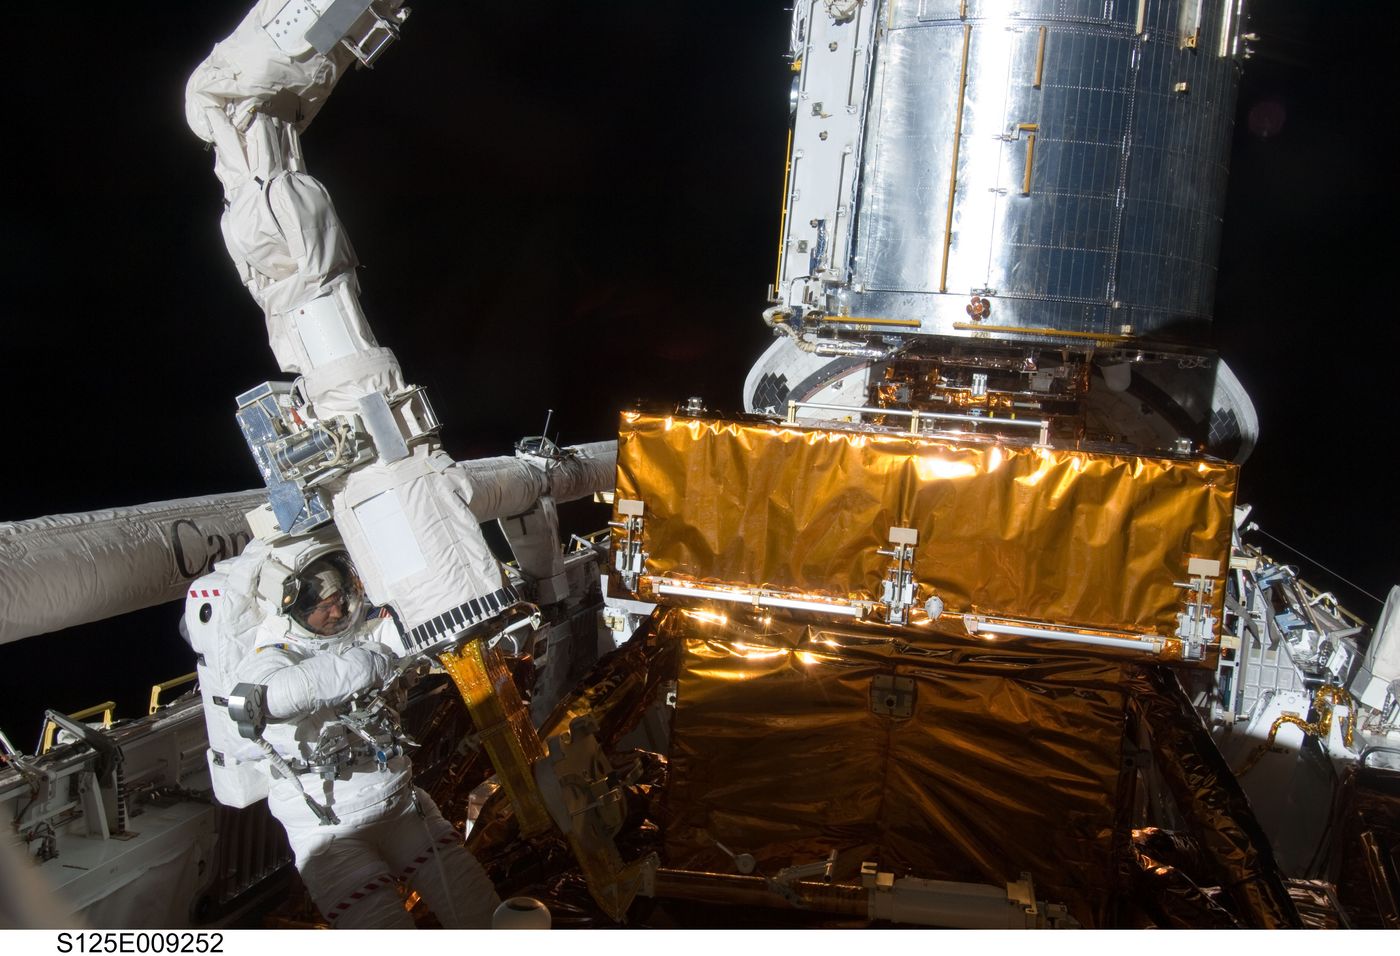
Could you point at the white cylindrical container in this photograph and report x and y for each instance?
(521, 912)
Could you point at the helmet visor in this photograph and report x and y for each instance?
(328, 598)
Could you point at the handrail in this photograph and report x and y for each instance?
(50, 728)
(915, 416)
(158, 689)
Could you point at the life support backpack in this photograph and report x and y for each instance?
(222, 617)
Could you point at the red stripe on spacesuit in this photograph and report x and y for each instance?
(339, 909)
(448, 840)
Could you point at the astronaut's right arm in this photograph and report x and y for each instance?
(297, 686)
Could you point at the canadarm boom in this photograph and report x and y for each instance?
(350, 435)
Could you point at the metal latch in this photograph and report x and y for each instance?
(898, 589)
(630, 559)
(873, 878)
(1196, 624)
(785, 883)
(824, 869)
(364, 27)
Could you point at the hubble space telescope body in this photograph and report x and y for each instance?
(956, 625)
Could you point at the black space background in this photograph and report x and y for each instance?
(571, 205)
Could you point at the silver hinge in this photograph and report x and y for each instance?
(898, 589)
(630, 560)
(1196, 624)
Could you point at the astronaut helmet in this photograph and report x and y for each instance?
(324, 601)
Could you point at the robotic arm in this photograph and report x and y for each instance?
(251, 99)
(349, 441)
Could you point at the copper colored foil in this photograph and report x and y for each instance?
(1317, 904)
(1064, 537)
(1210, 799)
(619, 688)
(1010, 760)
(1367, 857)
(503, 724)
(1163, 888)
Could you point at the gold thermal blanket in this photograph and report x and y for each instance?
(928, 750)
(1008, 760)
(1060, 537)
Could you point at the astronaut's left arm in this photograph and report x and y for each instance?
(331, 677)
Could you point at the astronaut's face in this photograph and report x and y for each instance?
(328, 615)
(325, 598)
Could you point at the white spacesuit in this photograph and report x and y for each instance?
(353, 817)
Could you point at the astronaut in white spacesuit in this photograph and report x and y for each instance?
(341, 783)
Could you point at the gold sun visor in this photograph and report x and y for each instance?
(1123, 552)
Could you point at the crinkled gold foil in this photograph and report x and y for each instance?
(1064, 537)
(1367, 855)
(1160, 876)
(1215, 808)
(1010, 760)
(1317, 904)
(503, 724)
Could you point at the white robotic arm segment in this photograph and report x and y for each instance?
(251, 98)
(411, 520)
(336, 387)
(356, 445)
(288, 244)
(253, 71)
(316, 241)
(503, 487)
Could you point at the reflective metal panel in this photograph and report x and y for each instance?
(1065, 160)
